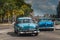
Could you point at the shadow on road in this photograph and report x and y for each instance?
(46, 30)
(21, 35)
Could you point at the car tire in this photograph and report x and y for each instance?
(16, 32)
(51, 29)
(35, 34)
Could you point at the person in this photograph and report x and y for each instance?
(13, 23)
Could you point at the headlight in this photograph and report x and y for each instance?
(37, 27)
(19, 28)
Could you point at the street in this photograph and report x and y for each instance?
(8, 34)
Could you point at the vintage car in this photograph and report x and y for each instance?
(25, 25)
(46, 23)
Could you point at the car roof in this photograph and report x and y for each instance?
(45, 18)
(24, 18)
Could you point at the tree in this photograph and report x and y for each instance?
(18, 12)
(19, 3)
(27, 9)
(14, 8)
(1, 14)
(58, 10)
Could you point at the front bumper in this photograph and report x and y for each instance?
(46, 27)
(30, 32)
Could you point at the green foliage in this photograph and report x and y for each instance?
(27, 9)
(1, 11)
(20, 7)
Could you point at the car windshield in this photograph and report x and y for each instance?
(44, 19)
(25, 21)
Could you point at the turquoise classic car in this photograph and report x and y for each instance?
(25, 25)
(46, 23)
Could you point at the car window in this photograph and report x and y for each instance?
(25, 21)
(44, 19)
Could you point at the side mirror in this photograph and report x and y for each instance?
(35, 22)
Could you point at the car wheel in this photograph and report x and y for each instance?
(15, 31)
(52, 29)
(35, 34)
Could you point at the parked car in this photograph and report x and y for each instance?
(46, 23)
(25, 25)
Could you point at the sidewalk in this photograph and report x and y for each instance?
(57, 27)
(6, 24)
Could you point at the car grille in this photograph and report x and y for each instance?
(49, 25)
(28, 28)
(42, 25)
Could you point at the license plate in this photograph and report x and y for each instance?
(28, 32)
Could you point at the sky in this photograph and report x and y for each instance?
(42, 7)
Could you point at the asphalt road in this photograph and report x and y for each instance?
(8, 34)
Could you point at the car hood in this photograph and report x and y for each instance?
(41, 22)
(45, 22)
(27, 24)
(49, 22)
